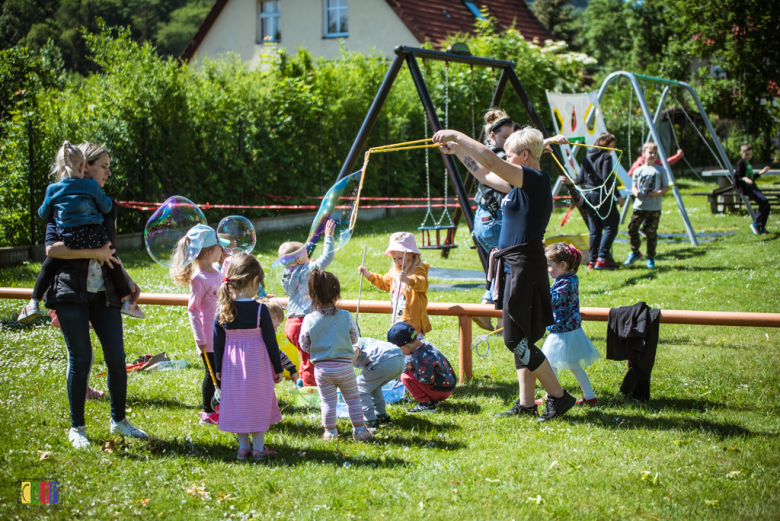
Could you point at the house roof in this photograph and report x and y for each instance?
(431, 20)
(434, 20)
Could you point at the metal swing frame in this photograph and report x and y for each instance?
(409, 55)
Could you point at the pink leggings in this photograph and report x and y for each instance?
(333, 375)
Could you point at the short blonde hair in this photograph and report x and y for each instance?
(649, 145)
(289, 247)
(275, 309)
(527, 138)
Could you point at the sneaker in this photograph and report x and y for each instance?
(755, 228)
(329, 437)
(763, 230)
(77, 436)
(242, 454)
(29, 312)
(583, 401)
(605, 264)
(590, 265)
(650, 263)
(423, 407)
(557, 406)
(209, 418)
(262, 455)
(363, 435)
(632, 258)
(519, 410)
(132, 309)
(384, 419)
(483, 322)
(125, 428)
(94, 394)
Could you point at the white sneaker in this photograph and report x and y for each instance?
(132, 310)
(29, 312)
(77, 436)
(125, 428)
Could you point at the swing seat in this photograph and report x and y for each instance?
(447, 244)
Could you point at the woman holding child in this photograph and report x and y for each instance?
(83, 293)
(522, 289)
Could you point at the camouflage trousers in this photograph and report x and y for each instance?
(650, 220)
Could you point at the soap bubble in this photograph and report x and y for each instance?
(167, 226)
(338, 205)
(240, 232)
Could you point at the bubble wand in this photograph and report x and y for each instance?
(400, 287)
(360, 289)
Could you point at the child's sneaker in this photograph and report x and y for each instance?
(605, 264)
(422, 407)
(329, 436)
(519, 410)
(557, 406)
(125, 428)
(651, 264)
(763, 230)
(590, 265)
(29, 312)
(207, 418)
(132, 310)
(483, 322)
(363, 435)
(77, 436)
(755, 228)
(584, 401)
(632, 258)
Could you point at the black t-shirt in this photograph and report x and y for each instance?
(527, 210)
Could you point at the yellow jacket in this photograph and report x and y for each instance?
(413, 308)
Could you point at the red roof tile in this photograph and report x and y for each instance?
(434, 20)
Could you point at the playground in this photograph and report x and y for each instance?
(706, 446)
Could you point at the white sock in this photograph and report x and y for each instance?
(258, 440)
(243, 441)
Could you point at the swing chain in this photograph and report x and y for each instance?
(473, 126)
(446, 125)
(427, 163)
(698, 131)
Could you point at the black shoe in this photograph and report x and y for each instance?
(519, 410)
(423, 407)
(384, 419)
(557, 406)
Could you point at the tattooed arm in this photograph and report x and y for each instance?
(482, 174)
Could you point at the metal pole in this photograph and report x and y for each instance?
(373, 113)
(449, 161)
(428, 54)
(662, 156)
(31, 178)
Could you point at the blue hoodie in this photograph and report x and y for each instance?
(75, 202)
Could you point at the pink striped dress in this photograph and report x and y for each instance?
(248, 398)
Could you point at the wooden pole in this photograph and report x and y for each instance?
(464, 348)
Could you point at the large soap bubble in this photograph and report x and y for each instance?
(339, 205)
(240, 232)
(167, 226)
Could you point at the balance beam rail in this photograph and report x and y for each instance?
(464, 312)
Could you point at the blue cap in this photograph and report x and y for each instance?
(401, 334)
(206, 236)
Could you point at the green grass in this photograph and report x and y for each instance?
(705, 447)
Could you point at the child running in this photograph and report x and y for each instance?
(246, 358)
(407, 282)
(567, 346)
(76, 204)
(745, 184)
(648, 186)
(328, 334)
(429, 376)
(380, 362)
(295, 282)
(202, 307)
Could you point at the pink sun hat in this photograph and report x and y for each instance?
(403, 242)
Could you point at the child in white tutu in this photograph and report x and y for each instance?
(567, 346)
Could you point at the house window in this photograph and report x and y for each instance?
(270, 27)
(336, 18)
(474, 10)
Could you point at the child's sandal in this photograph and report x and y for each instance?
(264, 454)
(243, 454)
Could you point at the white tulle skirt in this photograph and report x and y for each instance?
(572, 346)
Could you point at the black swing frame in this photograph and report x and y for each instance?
(410, 56)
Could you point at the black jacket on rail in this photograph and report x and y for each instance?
(632, 335)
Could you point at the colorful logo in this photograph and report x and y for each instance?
(40, 493)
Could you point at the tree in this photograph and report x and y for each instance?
(557, 16)
(174, 36)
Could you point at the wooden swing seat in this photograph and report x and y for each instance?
(447, 244)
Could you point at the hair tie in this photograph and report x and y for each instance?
(226, 280)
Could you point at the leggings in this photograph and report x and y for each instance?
(579, 375)
(207, 387)
(331, 375)
(514, 336)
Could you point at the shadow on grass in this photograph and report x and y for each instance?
(160, 403)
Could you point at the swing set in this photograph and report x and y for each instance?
(456, 53)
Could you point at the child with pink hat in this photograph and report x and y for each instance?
(407, 282)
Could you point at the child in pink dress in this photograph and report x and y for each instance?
(203, 283)
(246, 358)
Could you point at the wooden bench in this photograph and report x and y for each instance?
(725, 199)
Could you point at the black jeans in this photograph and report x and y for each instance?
(762, 215)
(602, 232)
(207, 387)
(107, 322)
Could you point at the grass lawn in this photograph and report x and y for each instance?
(705, 447)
